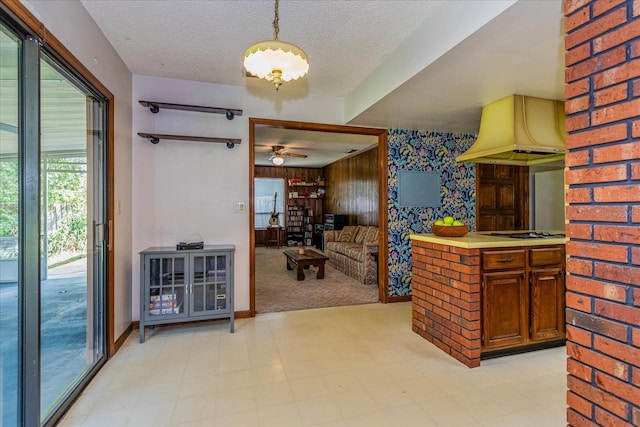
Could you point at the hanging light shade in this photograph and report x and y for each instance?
(274, 60)
(277, 160)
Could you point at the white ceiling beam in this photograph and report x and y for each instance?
(453, 22)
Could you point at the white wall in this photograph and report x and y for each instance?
(181, 188)
(70, 23)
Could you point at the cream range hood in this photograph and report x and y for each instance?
(519, 130)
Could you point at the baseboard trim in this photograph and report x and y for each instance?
(120, 341)
(245, 314)
(523, 349)
(403, 298)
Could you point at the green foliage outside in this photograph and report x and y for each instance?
(8, 198)
(71, 234)
(66, 203)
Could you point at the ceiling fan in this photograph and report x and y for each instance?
(279, 152)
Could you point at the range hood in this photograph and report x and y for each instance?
(519, 130)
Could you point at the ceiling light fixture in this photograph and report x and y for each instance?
(277, 160)
(274, 60)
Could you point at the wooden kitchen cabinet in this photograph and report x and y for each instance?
(504, 309)
(546, 281)
(522, 298)
(502, 197)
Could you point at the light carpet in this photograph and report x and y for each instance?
(278, 290)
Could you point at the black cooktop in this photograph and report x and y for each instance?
(528, 235)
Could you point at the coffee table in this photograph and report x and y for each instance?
(302, 261)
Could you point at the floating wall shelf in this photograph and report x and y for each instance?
(154, 107)
(155, 138)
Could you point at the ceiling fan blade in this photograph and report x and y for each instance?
(294, 155)
(279, 150)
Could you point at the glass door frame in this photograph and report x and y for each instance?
(35, 40)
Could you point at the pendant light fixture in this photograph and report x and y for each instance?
(274, 60)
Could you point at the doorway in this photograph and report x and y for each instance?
(379, 134)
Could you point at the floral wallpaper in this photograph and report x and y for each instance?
(416, 150)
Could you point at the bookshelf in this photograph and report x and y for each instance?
(295, 225)
(299, 225)
(299, 189)
(308, 227)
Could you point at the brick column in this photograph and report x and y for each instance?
(603, 281)
(445, 293)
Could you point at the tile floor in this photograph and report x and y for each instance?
(344, 366)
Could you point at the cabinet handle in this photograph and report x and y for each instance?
(506, 260)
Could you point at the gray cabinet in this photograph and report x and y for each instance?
(179, 286)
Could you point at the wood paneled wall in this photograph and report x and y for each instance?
(352, 188)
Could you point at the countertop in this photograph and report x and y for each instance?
(482, 239)
(171, 249)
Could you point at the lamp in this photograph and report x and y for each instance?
(274, 60)
(277, 160)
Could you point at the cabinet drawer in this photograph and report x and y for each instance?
(545, 256)
(495, 260)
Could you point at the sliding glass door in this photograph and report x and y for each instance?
(9, 225)
(52, 232)
(71, 282)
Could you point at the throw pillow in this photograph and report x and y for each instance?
(348, 233)
(362, 234)
(372, 235)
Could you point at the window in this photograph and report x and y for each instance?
(267, 192)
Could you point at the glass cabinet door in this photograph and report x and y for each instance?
(167, 286)
(210, 284)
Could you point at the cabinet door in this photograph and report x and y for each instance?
(209, 284)
(165, 288)
(504, 309)
(501, 197)
(547, 304)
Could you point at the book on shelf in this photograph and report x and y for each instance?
(163, 304)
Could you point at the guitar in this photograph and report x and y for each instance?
(274, 219)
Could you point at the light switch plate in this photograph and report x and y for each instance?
(239, 207)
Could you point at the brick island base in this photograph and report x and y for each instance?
(446, 299)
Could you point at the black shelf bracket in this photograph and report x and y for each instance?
(155, 107)
(155, 138)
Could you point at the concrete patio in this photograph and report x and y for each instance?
(63, 336)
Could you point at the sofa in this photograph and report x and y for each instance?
(354, 251)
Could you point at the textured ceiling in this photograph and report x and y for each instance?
(205, 40)
(397, 64)
(321, 148)
(521, 51)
